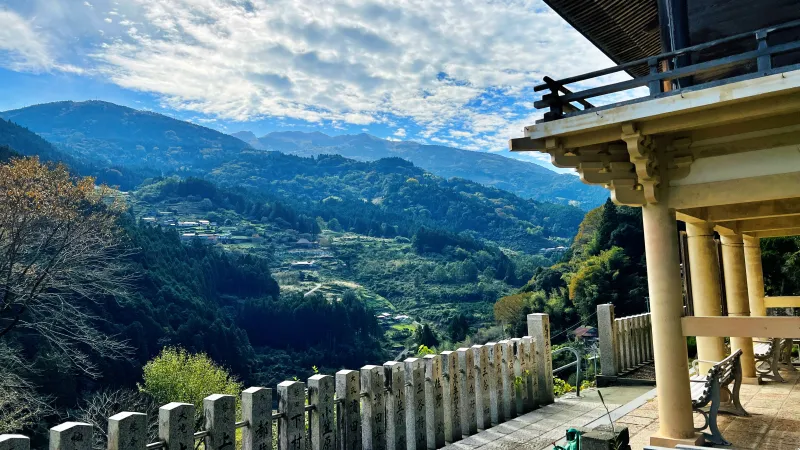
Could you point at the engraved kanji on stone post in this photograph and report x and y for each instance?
(257, 412)
(127, 431)
(466, 364)
(176, 425)
(292, 424)
(348, 393)
(220, 414)
(529, 357)
(496, 382)
(452, 397)
(396, 407)
(434, 401)
(507, 363)
(539, 329)
(320, 396)
(483, 409)
(71, 436)
(415, 396)
(373, 419)
(520, 390)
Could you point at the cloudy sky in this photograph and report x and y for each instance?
(452, 72)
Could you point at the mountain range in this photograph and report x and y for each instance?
(525, 179)
(105, 135)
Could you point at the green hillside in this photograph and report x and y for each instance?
(525, 179)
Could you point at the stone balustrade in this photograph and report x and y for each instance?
(411, 405)
(625, 343)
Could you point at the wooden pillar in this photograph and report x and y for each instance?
(738, 300)
(706, 292)
(755, 275)
(669, 345)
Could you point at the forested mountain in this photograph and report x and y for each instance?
(604, 264)
(392, 197)
(522, 178)
(104, 135)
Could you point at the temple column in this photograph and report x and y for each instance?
(755, 275)
(669, 344)
(738, 300)
(706, 293)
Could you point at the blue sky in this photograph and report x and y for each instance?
(449, 72)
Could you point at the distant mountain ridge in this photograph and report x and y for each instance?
(106, 133)
(522, 178)
(102, 134)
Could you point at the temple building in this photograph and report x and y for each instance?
(708, 134)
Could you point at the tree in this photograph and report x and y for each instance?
(59, 247)
(20, 404)
(98, 406)
(176, 375)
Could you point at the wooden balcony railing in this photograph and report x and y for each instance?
(563, 102)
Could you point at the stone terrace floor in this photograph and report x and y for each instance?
(539, 429)
(774, 423)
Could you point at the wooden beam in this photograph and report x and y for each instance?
(752, 210)
(776, 233)
(743, 190)
(784, 327)
(782, 302)
(768, 224)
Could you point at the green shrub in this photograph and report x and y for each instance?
(176, 375)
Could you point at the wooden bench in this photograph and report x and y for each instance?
(706, 394)
(767, 354)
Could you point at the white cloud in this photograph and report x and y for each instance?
(24, 49)
(401, 132)
(461, 71)
(87, 4)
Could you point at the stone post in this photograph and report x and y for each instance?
(666, 302)
(755, 275)
(71, 436)
(220, 414)
(483, 408)
(176, 425)
(434, 401)
(348, 392)
(507, 362)
(320, 396)
(528, 374)
(539, 329)
(496, 382)
(706, 292)
(415, 397)
(738, 301)
(14, 442)
(127, 431)
(292, 407)
(257, 412)
(452, 397)
(373, 421)
(519, 381)
(466, 364)
(605, 330)
(396, 400)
